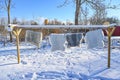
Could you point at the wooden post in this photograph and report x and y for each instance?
(109, 34)
(17, 32)
(109, 51)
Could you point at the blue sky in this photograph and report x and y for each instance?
(42, 8)
(29, 9)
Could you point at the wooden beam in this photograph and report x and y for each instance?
(109, 34)
(16, 33)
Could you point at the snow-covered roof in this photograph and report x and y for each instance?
(62, 26)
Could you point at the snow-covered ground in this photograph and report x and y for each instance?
(74, 63)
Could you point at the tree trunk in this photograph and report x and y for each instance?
(77, 11)
(8, 16)
(8, 10)
(9, 23)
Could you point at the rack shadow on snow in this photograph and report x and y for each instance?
(6, 64)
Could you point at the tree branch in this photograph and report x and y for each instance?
(65, 2)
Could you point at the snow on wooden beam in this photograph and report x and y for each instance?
(62, 26)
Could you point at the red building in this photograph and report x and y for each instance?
(115, 33)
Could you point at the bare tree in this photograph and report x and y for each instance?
(14, 21)
(85, 5)
(79, 7)
(6, 5)
(91, 4)
(100, 13)
(77, 10)
(113, 20)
